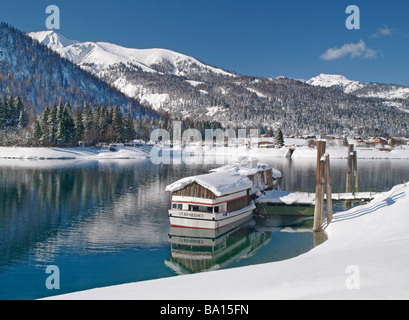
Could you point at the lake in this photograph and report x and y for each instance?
(105, 222)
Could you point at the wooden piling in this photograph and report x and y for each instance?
(319, 191)
(355, 172)
(328, 189)
(350, 168)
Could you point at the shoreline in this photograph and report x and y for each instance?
(94, 153)
(74, 153)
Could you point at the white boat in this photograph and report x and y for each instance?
(222, 197)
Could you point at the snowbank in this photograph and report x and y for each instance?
(83, 153)
(366, 256)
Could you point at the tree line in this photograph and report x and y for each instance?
(64, 126)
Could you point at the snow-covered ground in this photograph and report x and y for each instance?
(82, 153)
(301, 151)
(366, 256)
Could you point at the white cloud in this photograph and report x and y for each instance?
(384, 31)
(353, 50)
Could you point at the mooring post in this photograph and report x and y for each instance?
(350, 167)
(356, 188)
(329, 190)
(319, 189)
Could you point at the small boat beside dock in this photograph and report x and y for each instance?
(286, 203)
(293, 207)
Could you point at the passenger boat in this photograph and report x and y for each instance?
(222, 197)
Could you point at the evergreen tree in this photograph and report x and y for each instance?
(45, 127)
(117, 125)
(145, 133)
(87, 122)
(79, 125)
(53, 126)
(66, 131)
(37, 133)
(279, 138)
(130, 132)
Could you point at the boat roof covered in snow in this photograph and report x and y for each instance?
(219, 183)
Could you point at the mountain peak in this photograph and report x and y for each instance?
(52, 39)
(103, 55)
(329, 80)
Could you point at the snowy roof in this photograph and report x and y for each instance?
(227, 179)
(220, 183)
(287, 197)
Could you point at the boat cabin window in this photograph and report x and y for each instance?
(193, 208)
(209, 209)
(216, 209)
(177, 206)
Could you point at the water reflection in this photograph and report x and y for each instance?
(50, 207)
(195, 250)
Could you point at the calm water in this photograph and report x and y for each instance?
(106, 223)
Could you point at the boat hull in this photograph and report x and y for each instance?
(216, 222)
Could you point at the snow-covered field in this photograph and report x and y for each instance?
(301, 151)
(366, 256)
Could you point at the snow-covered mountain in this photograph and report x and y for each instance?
(100, 56)
(361, 89)
(185, 87)
(41, 78)
(118, 65)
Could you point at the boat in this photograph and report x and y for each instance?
(285, 207)
(221, 197)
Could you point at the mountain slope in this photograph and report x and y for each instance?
(187, 88)
(41, 77)
(102, 55)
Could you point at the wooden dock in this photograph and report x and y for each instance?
(358, 196)
(308, 198)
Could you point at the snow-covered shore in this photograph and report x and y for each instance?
(79, 153)
(91, 153)
(366, 256)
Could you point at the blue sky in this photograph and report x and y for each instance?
(267, 38)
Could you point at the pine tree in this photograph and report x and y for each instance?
(45, 128)
(145, 133)
(79, 125)
(37, 133)
(87, 122)
(53, 126)
(66, 130)
(130, 133)
(117, 125)
(279, 138)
